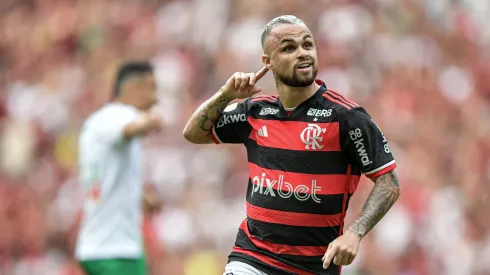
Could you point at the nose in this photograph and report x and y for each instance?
(302, 53)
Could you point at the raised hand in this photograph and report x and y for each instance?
(242, 85)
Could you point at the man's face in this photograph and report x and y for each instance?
(292, 54)
(145, 90)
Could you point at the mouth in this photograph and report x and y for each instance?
(304, 66)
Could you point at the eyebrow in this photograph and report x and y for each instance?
(286, 40)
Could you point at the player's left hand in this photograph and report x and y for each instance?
(342, 250)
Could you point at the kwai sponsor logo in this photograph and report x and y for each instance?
(356, 136)
(227, 119)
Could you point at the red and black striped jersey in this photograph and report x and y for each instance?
(304, 167)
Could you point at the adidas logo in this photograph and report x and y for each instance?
(262, 132)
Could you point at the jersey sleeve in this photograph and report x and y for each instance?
(114, 123)
(366, 146)
(233, 126)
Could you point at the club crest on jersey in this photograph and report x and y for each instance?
(311, 136)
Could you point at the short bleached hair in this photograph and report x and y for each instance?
(281, 20)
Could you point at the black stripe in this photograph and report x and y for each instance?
(307, 162)
(341, 98)
(307, 263)
(329, 204)
(292, 235)
(356, 170)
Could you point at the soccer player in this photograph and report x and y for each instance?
(110, 239)
(307, 148)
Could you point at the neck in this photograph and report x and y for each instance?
(291, 97)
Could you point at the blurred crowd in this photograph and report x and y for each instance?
(421, 68)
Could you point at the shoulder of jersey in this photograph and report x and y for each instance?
(339, 101)
(264, 98)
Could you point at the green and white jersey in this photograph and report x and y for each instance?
(110, 172)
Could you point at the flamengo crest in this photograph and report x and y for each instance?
(311, 136)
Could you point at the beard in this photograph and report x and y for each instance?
(297, 80)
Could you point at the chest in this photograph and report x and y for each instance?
(311, 130)
(132, 152)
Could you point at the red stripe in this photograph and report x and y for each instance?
(344, 203)
(337, 101)
(213, 137)
(325, 184)
(284, 249)
(264, 97)
(344, 206)
(290, 218)
(343, 98)
(290, 135)
(272, 262)
(382, 171)
(333, 95)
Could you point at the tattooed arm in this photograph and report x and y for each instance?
(384, 194)
(199, 126)
(239, 85)
(367, 148)
(343, 250)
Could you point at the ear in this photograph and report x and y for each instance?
(267, 61)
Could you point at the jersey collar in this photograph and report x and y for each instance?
(306, 103)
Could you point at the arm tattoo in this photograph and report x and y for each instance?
(384, 194)
(209, 113)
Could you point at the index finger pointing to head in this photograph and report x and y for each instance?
(261, 73)
(253, 79)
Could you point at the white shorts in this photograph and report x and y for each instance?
(239, 268)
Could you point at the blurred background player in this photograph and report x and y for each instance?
(306, 151)
(110, 165)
